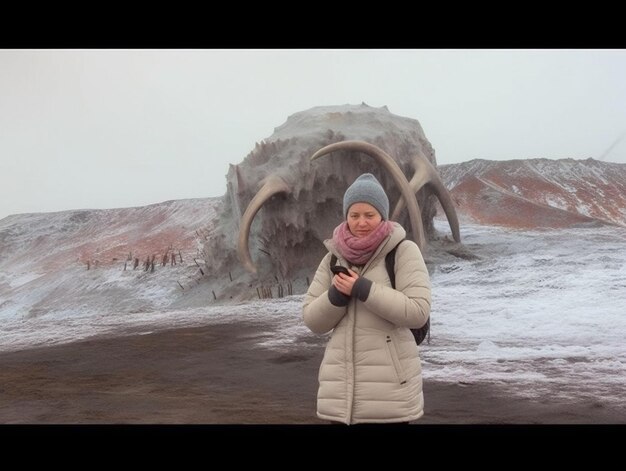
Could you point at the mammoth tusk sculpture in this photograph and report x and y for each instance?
(272, 185)
(291, 231)
(426, 174)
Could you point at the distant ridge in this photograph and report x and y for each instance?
(538, 193)
(83, 260)
(52, 239)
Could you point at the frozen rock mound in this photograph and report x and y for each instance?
(303, 198)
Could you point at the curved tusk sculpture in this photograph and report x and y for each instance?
(396, 173)
(426, 174)
(272, 185)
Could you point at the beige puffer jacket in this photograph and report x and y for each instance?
(371, 370)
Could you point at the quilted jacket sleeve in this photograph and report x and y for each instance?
(409, 304)
(320, 315)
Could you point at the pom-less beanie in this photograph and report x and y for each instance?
(366, 189)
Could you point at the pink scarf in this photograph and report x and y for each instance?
(359, 250)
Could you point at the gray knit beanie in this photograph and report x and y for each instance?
(366, 189)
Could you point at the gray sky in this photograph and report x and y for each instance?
(119, 128)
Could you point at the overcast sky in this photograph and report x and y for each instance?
(118, 128)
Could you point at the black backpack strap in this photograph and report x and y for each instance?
(390, 260)
(333, 260)
(390, 264)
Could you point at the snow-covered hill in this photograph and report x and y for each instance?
(538, 192)
(84, 259)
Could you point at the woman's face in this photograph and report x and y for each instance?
(363, 218)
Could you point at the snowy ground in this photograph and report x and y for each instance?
(541, 312)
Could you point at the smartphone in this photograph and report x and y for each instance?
(339, 269)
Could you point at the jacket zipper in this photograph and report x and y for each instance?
(395, 360)
(351, 365)
(351, 369)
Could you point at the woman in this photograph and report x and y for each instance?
(371, 370)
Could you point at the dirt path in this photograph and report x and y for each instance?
(217, 375)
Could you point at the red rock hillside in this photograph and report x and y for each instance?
(104, 236)
(75, 260)
(538, 193)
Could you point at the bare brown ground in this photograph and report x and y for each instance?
(217, 375)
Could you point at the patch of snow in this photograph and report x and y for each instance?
(556, 201)
(583, 209)
(539, 308)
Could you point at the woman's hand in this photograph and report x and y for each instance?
(344, 283)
